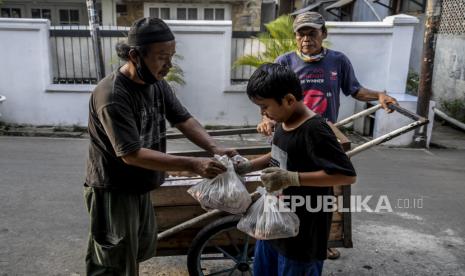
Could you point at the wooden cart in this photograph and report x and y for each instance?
(210, 240)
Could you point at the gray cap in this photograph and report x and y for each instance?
(308, 19)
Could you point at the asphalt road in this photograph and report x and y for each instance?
(43, 222)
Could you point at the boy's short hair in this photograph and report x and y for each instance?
(274, 81)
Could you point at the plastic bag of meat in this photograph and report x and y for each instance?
(266, 222)
(225, 192)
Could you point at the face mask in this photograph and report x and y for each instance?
(312, 58)
(144, 73)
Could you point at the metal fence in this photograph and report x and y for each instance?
(74, 62)
(243, 43)
(72, 55)
(452, 17)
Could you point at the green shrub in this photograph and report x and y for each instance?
(413, 80)
(454, 108)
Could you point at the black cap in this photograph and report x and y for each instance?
(149, 30)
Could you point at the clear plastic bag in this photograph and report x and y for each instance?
(225, 192)
(271, 223)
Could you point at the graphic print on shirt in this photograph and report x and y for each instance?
(152, 121)
(316, 101)
(313, 82)
(278, 157)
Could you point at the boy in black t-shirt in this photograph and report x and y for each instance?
(306, 160)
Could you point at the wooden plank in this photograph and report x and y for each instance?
(337, 217)
(347, 218)
(337, 190)
(183, 240)
(345, 142)
(335, 233)
(172, 196)
(244, 151)
(176, 195)
(168, 217)
(220, 132)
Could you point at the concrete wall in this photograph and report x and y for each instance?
(449, 68)
(26, 74)
(417, 44)
(206, 48)
(379, 51)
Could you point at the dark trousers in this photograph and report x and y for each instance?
(123, 232)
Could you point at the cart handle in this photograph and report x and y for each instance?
(375, 108)
(407, 113)
(418, 122)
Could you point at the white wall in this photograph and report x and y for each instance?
(26, 73)
(449, 68)
(206, 50)
(379, 51)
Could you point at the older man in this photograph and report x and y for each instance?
(127, 159)
(323, 72)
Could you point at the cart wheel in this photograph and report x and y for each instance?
(220, 249)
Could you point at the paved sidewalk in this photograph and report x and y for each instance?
(44, 223)
(445, 136)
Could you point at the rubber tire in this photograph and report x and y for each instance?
(203, 236)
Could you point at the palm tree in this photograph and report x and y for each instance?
(279, 39)
(175, 76)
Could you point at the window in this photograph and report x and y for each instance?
(219, 14)
(121, 9)
(208, 14)
(154, 12)
(42, 13)
(192, 14)
(185, 11)
(162, 13)
(181, 14)
(68, 16)
(213, 14)
(165, 13)
(11, 12)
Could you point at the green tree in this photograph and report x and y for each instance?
(278, 39)
(175, 76)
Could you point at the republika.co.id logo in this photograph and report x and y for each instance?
(329, 203)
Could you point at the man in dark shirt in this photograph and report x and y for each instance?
(127, 114)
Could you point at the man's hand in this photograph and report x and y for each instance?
(386, 100)
(266, 126)
(224, 151)
(207, 167)
(276, 179)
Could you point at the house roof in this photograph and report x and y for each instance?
(339, 4)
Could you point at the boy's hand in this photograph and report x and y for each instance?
(276, 179)
(242, 167)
